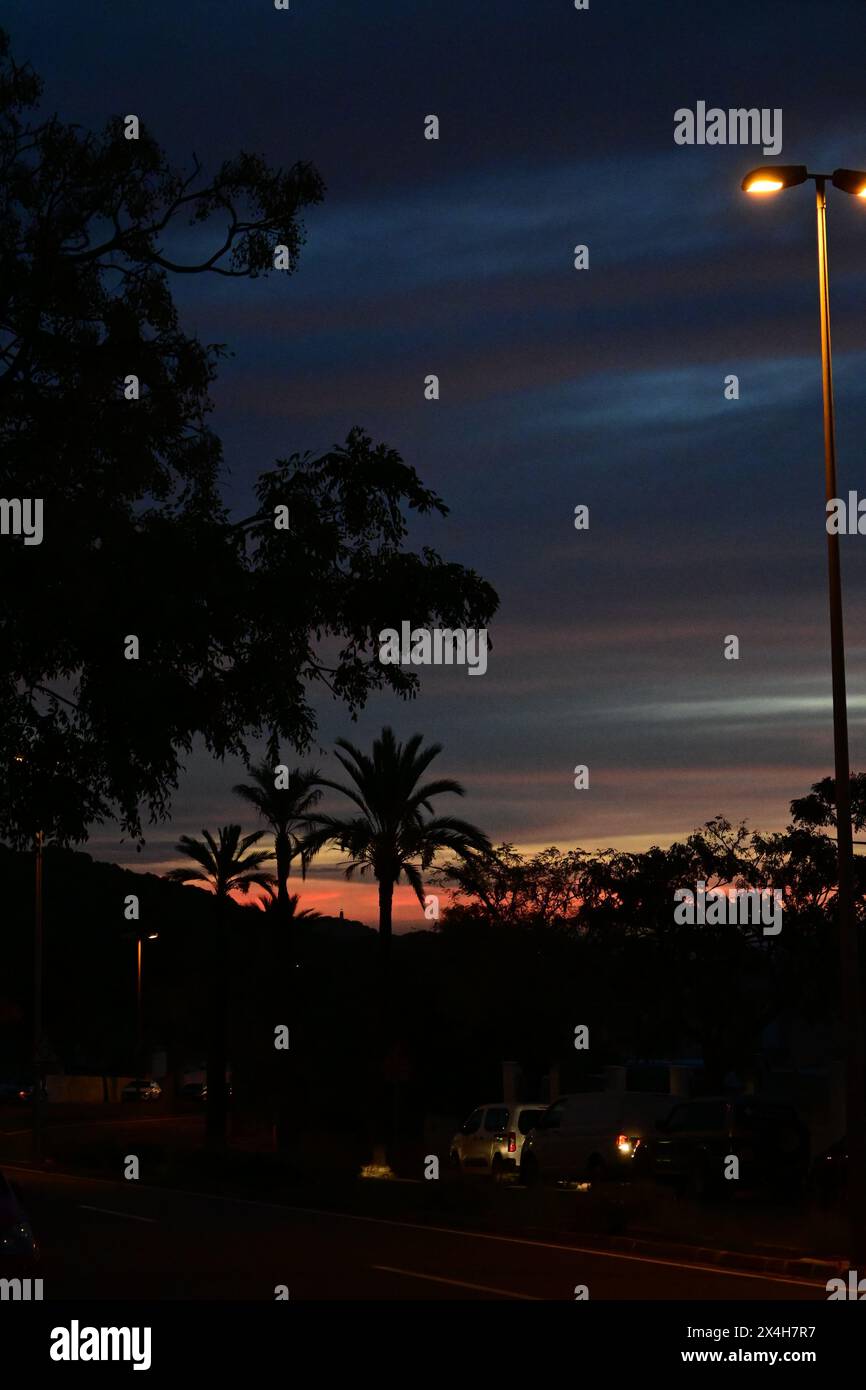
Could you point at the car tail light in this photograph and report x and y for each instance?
(624, 1144)
(512, 1143)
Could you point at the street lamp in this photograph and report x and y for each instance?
(773, 179)
(151, 936)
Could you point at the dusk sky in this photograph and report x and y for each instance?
(558, 387)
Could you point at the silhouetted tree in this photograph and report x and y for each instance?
(391, 837)
(508, 887)
(287, 811)
(818, 807)
(104, 417)
(227, 865)
(291, 912)
(677, 983)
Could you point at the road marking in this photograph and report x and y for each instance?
(458, 1283)
(766, 1277)
(552, 1245)
(124, 1215)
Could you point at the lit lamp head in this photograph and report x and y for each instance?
(772, 178)
(851, 181)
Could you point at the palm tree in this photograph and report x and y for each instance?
(227, 865)
(391, 836)
(291, 906)
(287, 811)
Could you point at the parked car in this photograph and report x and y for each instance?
(18, 1248)
(491, 1139)
(194, 1090)
(592, 1136)
(695, 1139)
(141, 1090)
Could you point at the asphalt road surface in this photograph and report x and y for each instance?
(104, 1239)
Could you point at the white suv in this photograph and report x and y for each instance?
(491, 1139)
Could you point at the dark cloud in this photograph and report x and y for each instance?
(558, 387)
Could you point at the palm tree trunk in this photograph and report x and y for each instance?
(284, 864)
(282, 918)
(384, 1106)
(216, 1108)
(386, 901)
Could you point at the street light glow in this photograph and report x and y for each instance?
(773, 177)
(851, 181)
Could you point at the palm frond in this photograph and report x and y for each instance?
(187, 876)
(242, 884)
(415, 881)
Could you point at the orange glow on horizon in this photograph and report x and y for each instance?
(358, 900)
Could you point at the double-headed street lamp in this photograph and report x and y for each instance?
(773, 179)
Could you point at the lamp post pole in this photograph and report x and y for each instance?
(38, 1050)
(773, 179)
(852, 1015)
(139, 1027)
(138, 1034)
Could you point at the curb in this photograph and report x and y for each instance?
(804, 1266)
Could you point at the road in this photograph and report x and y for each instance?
(104, 1239)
